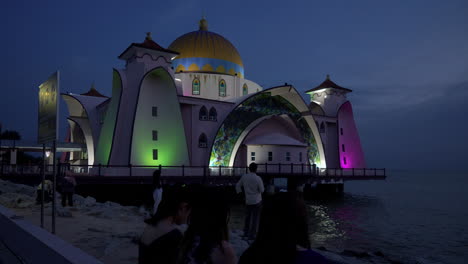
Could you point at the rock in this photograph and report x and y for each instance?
(322, 248)
(89, 201)
(355, 254)
(63, 212)
(111, 204)
(16, 200)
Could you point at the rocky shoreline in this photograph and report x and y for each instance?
(110, 231)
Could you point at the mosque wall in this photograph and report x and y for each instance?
(209, 85)
(351, 153)
(274, 154)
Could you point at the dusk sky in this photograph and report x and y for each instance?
(405, 60)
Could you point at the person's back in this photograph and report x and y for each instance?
(158, 244)
(253, 187)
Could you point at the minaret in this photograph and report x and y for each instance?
(329, 96)
(334, 117)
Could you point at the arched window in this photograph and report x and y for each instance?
(203, 115)
(196, 86)
(213, 116)
(245, 89)
(222, 88)
(322, 128)
(202, 141)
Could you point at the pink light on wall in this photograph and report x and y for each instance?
(351, 154)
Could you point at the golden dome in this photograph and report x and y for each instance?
(206, 51)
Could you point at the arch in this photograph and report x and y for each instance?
(316, 109)
(213, 115)
(202, 141)
(157, 89)
(245, 89)
(196, 86)
(282, 100)
(222, 88)
(203, 114)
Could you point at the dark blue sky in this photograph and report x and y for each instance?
(407, 61)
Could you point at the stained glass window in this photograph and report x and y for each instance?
(196, 86)
(222, 88)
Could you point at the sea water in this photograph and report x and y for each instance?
(411, 217)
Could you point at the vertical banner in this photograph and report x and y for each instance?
(48, 109)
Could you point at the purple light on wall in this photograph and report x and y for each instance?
(352, 156)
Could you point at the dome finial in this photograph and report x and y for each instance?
(148, 36)
(203, 24)
(328, 77)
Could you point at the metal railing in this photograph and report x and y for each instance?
(273, 169)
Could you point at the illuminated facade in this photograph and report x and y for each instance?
(190, 105)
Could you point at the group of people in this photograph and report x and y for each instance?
(65, 186)
(190, 226)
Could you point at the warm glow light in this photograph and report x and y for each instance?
(47, 153)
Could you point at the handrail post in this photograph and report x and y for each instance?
(183, 170)
(204, 174)
(266, 168)
(99, 169)
(375, 172)
(302, 168)
(353, 172)
(292, 169)
(219, 173)
(279, 168)
(130, 167)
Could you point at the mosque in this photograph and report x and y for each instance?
(190, 104)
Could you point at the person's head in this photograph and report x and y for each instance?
(174, 205)
(208, 222)
(253, 167)
(283, 225)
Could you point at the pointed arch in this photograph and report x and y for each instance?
(202, 141)
(203, 114)
(196, 86)
(245, 89)
(222, 88)
(213, 114)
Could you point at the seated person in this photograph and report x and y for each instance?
(283, 235)
(162, 235)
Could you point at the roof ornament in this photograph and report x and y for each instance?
(328, 77)
(148, 36)
(203, 24)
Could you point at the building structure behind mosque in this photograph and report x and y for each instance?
(191, 105)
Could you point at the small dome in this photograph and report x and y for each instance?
(206, 51)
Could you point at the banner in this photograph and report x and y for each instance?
(48, 109)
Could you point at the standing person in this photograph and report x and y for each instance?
(162, 235)
(67, 188)
(157, 190)
(46, 191)
(207, 235)
(283, 236)
(253, 189)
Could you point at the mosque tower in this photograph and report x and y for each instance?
(334, 118)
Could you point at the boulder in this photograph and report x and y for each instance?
(63, 212)
(89, 201)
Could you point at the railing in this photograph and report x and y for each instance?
(272, 169)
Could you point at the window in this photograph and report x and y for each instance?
(245, 89)
(222, 88)
(213, 116)
(342, 147)
(202, 141)
(196, 86)
(154, 111)
(252, 156)
(344, 160)
(155, 135)
(288, 156)
(155, 154)
(270, 156)
(300, 156)
(341, 131)
(203, 114)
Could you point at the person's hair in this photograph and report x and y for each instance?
(253, 167)
(283, 225)
(207, 226)
(157, 179)
(169, 206)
